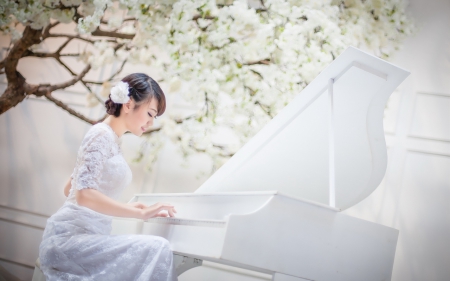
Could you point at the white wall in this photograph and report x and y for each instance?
(38, 145)
(415, 194)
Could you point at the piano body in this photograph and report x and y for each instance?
(274, 207)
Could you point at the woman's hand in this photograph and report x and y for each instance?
(67, 187)
(158, 210)
(99, 202)
(138, 205)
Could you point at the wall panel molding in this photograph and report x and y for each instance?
(427, 153)
(447, 95)
(23, 217)
(16, 263)
(21, 271)
(428, 138)
(430, 117)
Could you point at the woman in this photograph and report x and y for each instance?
(77, 244)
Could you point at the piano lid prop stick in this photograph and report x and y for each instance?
(332, 195)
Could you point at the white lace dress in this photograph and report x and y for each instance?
(77, 244)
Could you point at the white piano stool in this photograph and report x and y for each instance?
(184, 263)
(181, 264)
(38, 275)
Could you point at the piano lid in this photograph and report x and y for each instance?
(328, 144)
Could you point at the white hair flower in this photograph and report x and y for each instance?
(119, 93)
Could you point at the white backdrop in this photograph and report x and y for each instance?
(39, 142)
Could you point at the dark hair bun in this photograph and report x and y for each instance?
(112, 108)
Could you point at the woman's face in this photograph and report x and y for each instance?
(139, 120)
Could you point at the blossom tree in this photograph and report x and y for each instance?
(237, 62)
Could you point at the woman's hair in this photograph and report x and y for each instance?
(142, 88)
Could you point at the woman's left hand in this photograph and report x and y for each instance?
(140, 205)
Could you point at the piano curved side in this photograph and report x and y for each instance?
(309, 241)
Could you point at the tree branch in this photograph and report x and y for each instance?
(72, 81)
(65, 66)
(199, 150)
(73, 112)
(264, 61)
(257, 73)
(46, 31)
(63, 45)
(178, 121)
(196, 17)
(29, 53)
(71, 37)
(92, 82)
(118, 71)
(69, 55)
(265, 108)
(152, 130)
(99, 32)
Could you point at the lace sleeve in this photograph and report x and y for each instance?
(95, 150)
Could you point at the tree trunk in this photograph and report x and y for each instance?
(13, 95)
(16, 90)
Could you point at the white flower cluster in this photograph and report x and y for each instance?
(119, 93)
(238, 62)
(243, 64)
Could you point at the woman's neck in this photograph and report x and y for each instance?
(116, 124)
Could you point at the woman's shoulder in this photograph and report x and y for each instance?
(98, 133)
(97, 130)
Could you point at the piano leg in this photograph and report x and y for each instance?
(38, 275)
(282, 277)
(184, 263)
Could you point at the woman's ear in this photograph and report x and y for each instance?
(127, 106)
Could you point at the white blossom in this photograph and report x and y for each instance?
(106, 89)
(175, 84)
(128, 29)
(15, 35)
(235, 66)
(87, 8)
(115, 22)
(119, 93)
(121, 54)
(89, 23)
(41, 19)
(64, 16)
(84, 56)
(91, 100)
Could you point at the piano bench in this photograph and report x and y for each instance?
(181, 264)
(184, 263)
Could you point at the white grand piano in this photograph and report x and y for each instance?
(275, 206)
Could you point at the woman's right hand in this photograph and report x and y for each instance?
(157, 210)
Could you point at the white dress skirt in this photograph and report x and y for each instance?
(77, 244)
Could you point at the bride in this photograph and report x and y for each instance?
(77, 244)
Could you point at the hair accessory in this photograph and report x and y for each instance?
(119, 93)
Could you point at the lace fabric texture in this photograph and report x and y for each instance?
(77, 244)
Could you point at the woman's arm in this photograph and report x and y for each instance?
(67, 187)
(97, 201)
